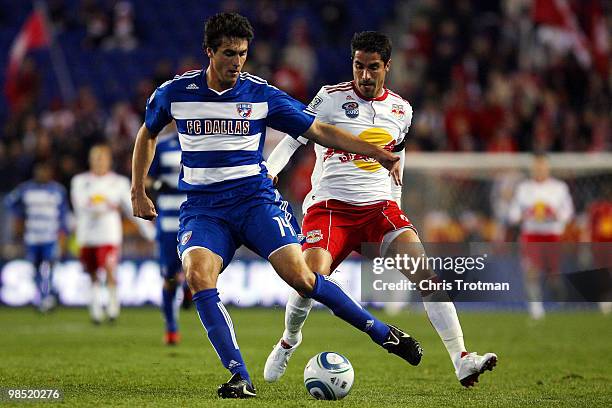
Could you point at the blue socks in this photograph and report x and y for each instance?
(169, 309)
(220, 330)
(329, 293)
(43, 278)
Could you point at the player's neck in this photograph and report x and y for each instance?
(213, 82)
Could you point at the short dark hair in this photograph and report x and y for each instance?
(372, 41)
(230, 25)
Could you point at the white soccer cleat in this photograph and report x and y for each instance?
(471, 365)
(536, 310)
(276, 364)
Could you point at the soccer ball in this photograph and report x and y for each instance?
(328, 376)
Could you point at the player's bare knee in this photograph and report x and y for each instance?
(303, 282)
(201, 271)
(198, 281)
(318, 260)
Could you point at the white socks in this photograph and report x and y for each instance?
(443, 317)
(95, 306)
(113, 303)
(296, 312)
(534, 297)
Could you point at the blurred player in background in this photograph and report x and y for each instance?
(99, 197)
(543, 207)
(221, 115)
(354, 201)
(40, 207)
(164, 172)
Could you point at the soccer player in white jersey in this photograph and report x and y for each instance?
(353, 201)
(99, 197)
(40, 207)
(221, 116)
(543, 206)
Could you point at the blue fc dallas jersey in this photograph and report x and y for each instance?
(165, 168)
(222, 134)
(44, 209)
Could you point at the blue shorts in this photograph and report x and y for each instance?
(169, 262)
(39, 253)
(258, 218)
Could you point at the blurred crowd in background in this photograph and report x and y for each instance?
(483, 76)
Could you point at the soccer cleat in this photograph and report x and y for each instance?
(276, 364)
(172, 338)
(236, 387)
(471, 365)
(403, 345)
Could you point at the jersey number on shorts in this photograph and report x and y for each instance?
(282, 224)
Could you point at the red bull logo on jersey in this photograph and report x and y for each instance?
(378, 136)
(398, 111)
(351, 109)
(244, 110)
(542, 212)
(314, 236)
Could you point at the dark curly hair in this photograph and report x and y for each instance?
(230, 25)
(372, 41)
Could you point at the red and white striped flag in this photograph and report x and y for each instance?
(559, 29)
(34, 34)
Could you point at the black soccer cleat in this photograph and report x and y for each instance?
(403, 345)
(237, 387)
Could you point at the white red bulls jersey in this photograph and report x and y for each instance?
(348, 177)
(98, 202)
(542, 207)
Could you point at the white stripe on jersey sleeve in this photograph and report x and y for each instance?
(216, 110)
(213, 143)
(210, 175)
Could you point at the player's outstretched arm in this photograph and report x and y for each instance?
(281, 154)
(144, 150)
(334, 137)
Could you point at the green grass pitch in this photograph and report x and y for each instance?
(564, 361)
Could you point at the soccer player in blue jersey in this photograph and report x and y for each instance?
(221, 115)
(164, 173)
(40, 207)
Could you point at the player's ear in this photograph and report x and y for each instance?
(209, 52)
(388, 65)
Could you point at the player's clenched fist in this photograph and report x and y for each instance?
(142, 206)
